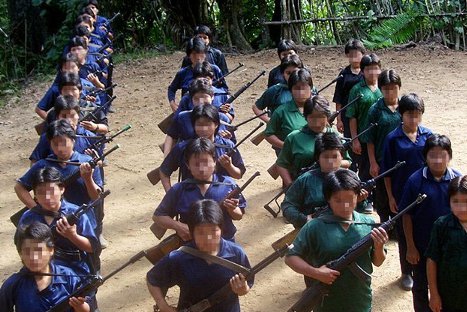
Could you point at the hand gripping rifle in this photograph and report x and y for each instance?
(226, 290)
(96, 92)
(106, 139)
(110, 21)
(218, 80)
(235, 193)
(336, 113)
(313, 296)
(154, 175)
(371, 184)
(92, 115)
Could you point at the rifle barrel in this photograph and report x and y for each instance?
(329, 84)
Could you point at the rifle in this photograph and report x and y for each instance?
(314, 295)
(275, 198)
(68, 180)
(371, 184)
(329, 84)
(159, 232)
(110, 21)
(218, 80)
(154, 175)
(96, 92)
(258, 138)
(92, 115)
(336, 113)
(235, 127)
(226, 290)
(106, 139)
(164, 125)
(242, 89)
(273, 171)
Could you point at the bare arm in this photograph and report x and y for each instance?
(165, 180)
(285, 175)
(322, 274)
(374, 167)
(41, 113)
(275, 141)
(431, 273)
(413, 255)
(257, 112)
(167, 222)
(24, 195)
(156, 293)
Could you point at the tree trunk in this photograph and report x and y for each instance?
(229, 11)
(265, 38)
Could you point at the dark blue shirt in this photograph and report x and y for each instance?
(75, 192)
(84, 227)
(183, 78)
(176, 158)
(197, 279)
(182, 128)
(213, 56)
(179, 198)
(220, 97)
(42, 149)
(19, 292)
(398, 147)
(276, 76)
(434, 206)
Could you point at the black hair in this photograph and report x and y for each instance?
(327, 142)
(387, 77)
(316, 103)
(285, 45)
(205, 211)
(93, 2)
(340, 180)
(203, 69)
(201, 85)
(81, 30)
(37, 231)
(84, 18)
(199, 146)
(411, 102)
(66, 102)
(70, 80)
(195, 45)
(69, 57)
(301, 75)
(78, 42)
(88, 11)
(46, 175)
(437, 140)
(291, 60)
(203, 29)
(370, 59)
(457, 185)
(208, 111)
(354, 44)
(58, 128)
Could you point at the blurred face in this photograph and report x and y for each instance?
(411, 120)
(437, 160)
(207, 237)
(285, 53)
(390, 93)
(196, 57)
(204, 37)
(458, 204)
(86, 25)
(71, 91)
(49, 195)
(71, 115)
(355, 56)
(301, 92)
(93, 8)
(79, 52)
(36, 255)
(199, 99)
(371, 73)
(205, 128)
(317, 121)
(70, 67)
(343, 203)
(62, 146)
(330, 160)
(288, 71)
(202, 166)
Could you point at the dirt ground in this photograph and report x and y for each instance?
(438, 75)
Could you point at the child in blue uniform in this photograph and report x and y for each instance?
(28, 290)
(432, 180)
(196, 278)
(405, 143)
(201, 161)
(447, 254)
(285, 47)
(74, 244)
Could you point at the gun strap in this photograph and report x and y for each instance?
(215, 259)
(194, 181)
(44, 212)
(336, 219)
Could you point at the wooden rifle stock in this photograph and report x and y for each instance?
(258, 138)
(40, 128)
(164, 125)
(273, 171)
(285, 240)
(154, 176)
(156, 253)
(313, 296)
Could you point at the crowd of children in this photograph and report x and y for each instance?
(322, 168)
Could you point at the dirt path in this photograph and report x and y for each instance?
(438, 75)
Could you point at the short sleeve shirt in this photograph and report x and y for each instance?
(273, 97)
(275, 77)
(286, 118)
(345, 84)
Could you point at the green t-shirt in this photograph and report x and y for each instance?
(273, 97)
(319, 242)
(299, 150)
(448, 248)
(286, 118)
(359, 109)
(387, 121)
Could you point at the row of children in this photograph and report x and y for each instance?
(58, 255)
(382, 128)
